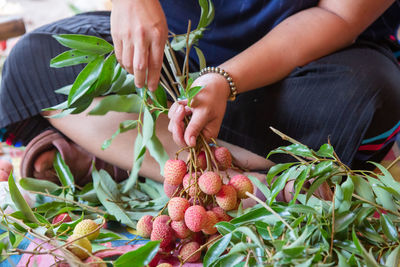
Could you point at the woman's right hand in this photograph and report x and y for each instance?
(139, 31)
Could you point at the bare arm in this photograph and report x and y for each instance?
(302, 38)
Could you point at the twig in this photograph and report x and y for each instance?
(70, 201)
(393, 163)
(284, 136)
(269, 209)
(376, 205)
(200, 249)
(333, 222)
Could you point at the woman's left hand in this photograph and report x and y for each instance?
(207, 110)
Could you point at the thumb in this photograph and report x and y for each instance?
(195, 126)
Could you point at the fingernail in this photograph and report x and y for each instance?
(180, 108)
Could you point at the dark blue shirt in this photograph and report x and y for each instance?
(240, 23)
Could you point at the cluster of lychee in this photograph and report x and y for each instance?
(199, 198)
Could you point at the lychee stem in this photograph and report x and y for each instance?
(198, 250)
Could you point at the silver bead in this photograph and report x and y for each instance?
(229, 79)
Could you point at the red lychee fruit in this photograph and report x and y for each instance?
(170, 189)
(188, 249)
(212, 219)
(61, 218)
(242, 184)
(221, 214)
(210, 183)
(162, 231)
(180, 229)
(177, 207)
(195, 217)
(174, 170)
(198, 237)
(223, 157)
(202, 160)
(189, 184)
(145, 226)
(226, 197)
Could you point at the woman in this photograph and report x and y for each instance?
(312, 69)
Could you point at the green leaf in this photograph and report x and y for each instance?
(159, 97)
(298, 184)
(250, 234)
(342, 260)
(63, 172)
(71, 58)
(107, 199)
(363, 188)
(123, 127)
(280, 182)
(348, 189)
(64, 91)
(85, 79)
(278, 168)
(326, 151)
(343, 220)
(383, 197)
(389, 229)
(157, 151)
(33, 184)
(263, 188)
(258, 214)
(294, 252)
(368, 258)
(316, 184)
(387, 177)
(216, 249)
(120, 103)
(322, 168)
(201, 57)
(393, 259)
(139, 257)
(85, 43)
(193, 91)
(296, 149)
(19, 201)
(105, 77)
(147, 126)
(139, 152)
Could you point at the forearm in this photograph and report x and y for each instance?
(300, 39)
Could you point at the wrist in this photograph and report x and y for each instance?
(229, 84)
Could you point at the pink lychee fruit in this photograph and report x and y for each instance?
(174, 170)
(195, 217)
(226, 197)
(221, 214)
(210, 183)
(202, 160)
(61, 218)
(188, 249)
(242, 184)
(223, 157)
(198, 237)
(162, 231)
(180, 229)
(145, 226)
(177, 207)
(209, 226)
(6, 166)
(189, 184)
(170, 189)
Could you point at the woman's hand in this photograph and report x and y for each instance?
(139, 31)
(207, 110)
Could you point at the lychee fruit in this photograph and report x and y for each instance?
(82, 247)
(202, 161)
(223, 157)
(5, 170)
(94, 261)
(170, 189)
(226, 197)
(198, 237)
(85, 227)
(210, 240)
(195, 217)
(180, 229)
(4, 176)
(162, 231)
(164, 265)
(188, 249)
(145, 226)
(242, 184)
(177, 207)
(210, 183)
(189, 184)
(212, 219)
(174, 170)
(221, 214)
(195, 201)
(61, 218)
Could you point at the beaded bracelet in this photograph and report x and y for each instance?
(226, 75)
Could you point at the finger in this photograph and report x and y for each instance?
(140, 63)
(196, 124)
(178, 126)
(172, 110)
(118, 51)
(127, 56)
(155, 64)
